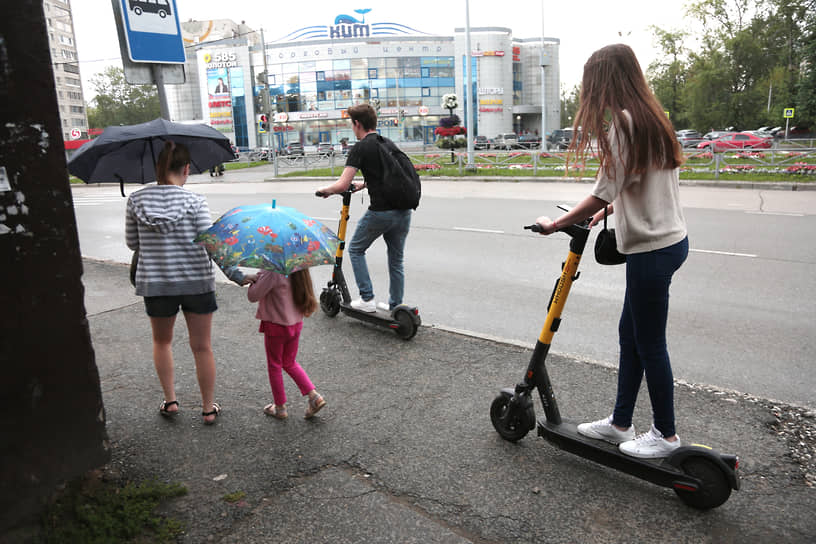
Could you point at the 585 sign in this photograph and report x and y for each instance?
(221, 60)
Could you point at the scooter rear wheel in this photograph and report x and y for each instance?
(510, 420)
(330, 301)
(407, 326)
(715, 488)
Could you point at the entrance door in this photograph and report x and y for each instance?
(279, 140)
(324, 137)
(428, 135)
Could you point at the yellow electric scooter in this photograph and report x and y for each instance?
(702, 477)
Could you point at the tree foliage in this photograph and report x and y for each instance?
(119, 103)
(754, 58)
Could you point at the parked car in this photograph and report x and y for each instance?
(714, 134)
(294, 149)
(560, 138)
(481, 142)
(506, 140)
(325, 148)
(236, 153)
(737, 140)
(689, 138)
(529, 141)
(261, 154)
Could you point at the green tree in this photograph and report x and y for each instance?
(668, 75)
(119, 103)
(806, 95)
(569, 105)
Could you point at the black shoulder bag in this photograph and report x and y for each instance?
(606, 247)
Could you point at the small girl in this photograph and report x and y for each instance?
(283, 301)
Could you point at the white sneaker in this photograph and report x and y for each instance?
(383, 306)
(649, 445)
(603, 430)
(367, 306)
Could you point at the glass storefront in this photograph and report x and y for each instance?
(328, 87)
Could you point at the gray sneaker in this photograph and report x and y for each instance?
(649, 445)
(603, 430)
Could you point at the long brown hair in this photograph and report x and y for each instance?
(173, 158)
(613, 81)
(303, 292)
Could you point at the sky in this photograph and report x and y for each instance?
(582, 26)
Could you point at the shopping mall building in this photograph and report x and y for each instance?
(313, 74)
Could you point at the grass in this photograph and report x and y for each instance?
(95, 511)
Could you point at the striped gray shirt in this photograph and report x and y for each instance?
(161, 222)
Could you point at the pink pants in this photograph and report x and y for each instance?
(281, 342)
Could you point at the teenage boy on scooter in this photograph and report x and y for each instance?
(380, 219)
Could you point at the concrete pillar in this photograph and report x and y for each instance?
(52, 421)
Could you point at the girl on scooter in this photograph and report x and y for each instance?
(638, 178)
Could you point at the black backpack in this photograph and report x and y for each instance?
(401, 186)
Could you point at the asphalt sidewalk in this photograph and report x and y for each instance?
(405, 451)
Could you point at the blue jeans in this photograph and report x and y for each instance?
(393, 226)
(642, 331)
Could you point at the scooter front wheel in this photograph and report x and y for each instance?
(715, 488)
(511, 420)
(330, 300)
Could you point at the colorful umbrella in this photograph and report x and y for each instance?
(265, 236)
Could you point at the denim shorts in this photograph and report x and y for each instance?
(168, 306)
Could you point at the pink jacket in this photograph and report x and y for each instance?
(273, 293)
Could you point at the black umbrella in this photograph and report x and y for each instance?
(128, 154)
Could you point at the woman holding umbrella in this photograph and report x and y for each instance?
(173, 273)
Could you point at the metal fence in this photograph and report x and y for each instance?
(784, 157)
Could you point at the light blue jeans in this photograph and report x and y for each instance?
(393, 226)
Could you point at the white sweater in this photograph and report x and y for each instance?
(647, 208)
(161, 222)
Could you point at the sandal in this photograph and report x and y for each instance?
(216, 411)
(315, 404)
(163, 409)
(276, 411)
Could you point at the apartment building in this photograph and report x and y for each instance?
(61, 40)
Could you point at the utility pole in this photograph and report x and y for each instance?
(266, 98)
(470, 116)
(543, 85)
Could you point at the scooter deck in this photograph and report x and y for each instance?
(657, 471)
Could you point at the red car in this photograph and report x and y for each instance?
(737, 140)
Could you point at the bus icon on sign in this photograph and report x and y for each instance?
(160, 7)
(787, 113)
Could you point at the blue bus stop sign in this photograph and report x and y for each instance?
(152, 30)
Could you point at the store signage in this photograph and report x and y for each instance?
(281, 117)
(220, 60)
(487, 53)
(348, 27)
(490, 101)
(424, 110)
(491, 90)
(282, 128)
(516, 53)
(75, 133)
(313, 115)
(491, 109)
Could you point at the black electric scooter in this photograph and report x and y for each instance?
(403, 320)
(702, 477)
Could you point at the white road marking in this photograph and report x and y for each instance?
(468, 229)
(724, 253)
(778, 213)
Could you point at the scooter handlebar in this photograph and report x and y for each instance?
(535, 227)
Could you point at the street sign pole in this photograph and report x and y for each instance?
(153, 41)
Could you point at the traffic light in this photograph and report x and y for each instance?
(263, 123)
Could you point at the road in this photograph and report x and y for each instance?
(741, 313)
